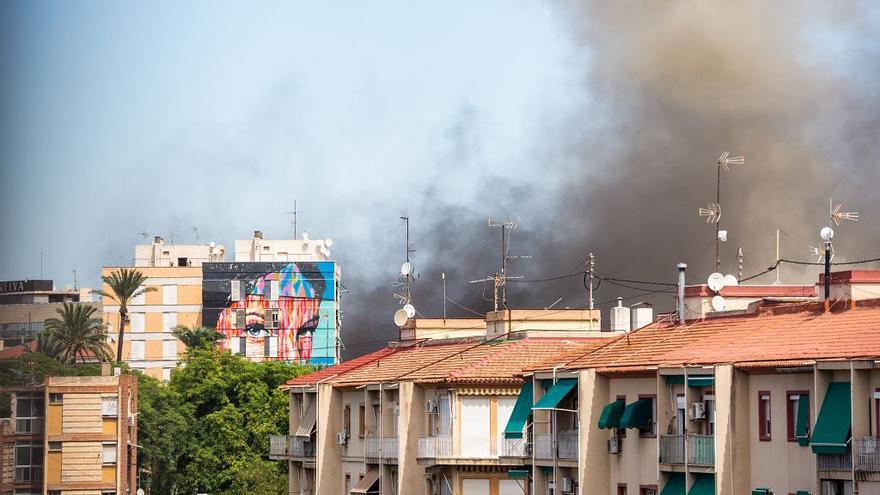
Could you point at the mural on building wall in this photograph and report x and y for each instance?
(284, 311)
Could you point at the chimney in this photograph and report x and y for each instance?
(681, 282)
(641, 314)
(258, 234)
(620, 317)
(157, 240)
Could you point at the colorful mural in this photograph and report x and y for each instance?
(268, 311)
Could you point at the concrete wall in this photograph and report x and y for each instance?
(329, 473)
(594, 462)
(637, 463)
(411, 427)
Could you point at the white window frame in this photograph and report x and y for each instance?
(169, 294)
(169, 321)
(169, 349)
(138, 322)
(109, 448)
(34, 471)
(140, 299)
(137, 350)
(110, 406)
(235, 290)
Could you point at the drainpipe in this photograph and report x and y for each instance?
(554, 442)
(827, 274)
(681, 281)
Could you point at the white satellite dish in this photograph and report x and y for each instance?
(410, 310)
(406, 268)
(716, 282)
(827, 233)
(328, 242)
(722, 235)
(718, 303)
(400, 317)
(730, 280)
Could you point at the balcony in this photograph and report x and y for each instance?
(700, 449)
(563, 446)
(302, 447)
(33, 426)
(278, 446)
(567, 445)
(543, 445)
(834, 462)
(437, 447)
(515, 447)
(868, 454)
(381, 447)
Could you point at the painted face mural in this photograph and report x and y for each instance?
(279, 312)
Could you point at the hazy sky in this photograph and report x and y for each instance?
(594, 124)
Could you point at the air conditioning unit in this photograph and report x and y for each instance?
(698, 411)
(342, 437)
(431, 407)
(131, 421)
(614, 445)
(567, 485)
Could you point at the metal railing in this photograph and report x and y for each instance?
(381, 447)
(834, 462)
(867, 454)
(672, 449)
(278, 445)
(567, 445)
(475, 447)
(389, 447)
(301, 447)
(543, 445)
(29, 425)
(701, 450)
(437, 447)
(515, 447)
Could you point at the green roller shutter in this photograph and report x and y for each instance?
(832, 430)
(611, 415)
(760, 491)
(555, 395)
(520, 413)
(705, 485)
(803, 415)
(675, 485)
(518, 474)
(637, 415)
(701, 381)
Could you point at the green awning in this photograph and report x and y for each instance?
(675, 485)
(761, 491)
(693, 381)
(555, 395)
(547, 469)
(705, 485)
(520, 413)
(637, 415)
(802, 492)
(832, 430)
(802, 423)
(518, 474)
(611, 414)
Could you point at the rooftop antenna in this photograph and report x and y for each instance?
(506, 226)
(827, 233)
(713, 210)
(405, 283)
(74, 279)
(293, 219)
(195, 233)
(145, 235)
(591, 267)
(443, 276)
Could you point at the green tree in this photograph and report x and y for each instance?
(125, 284)
(76, 334)
(197, 337)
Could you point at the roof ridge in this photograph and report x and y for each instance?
(491, 357)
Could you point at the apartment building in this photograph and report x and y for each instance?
(25, 305)
(71, 436)
(175, 272)
(422, 416)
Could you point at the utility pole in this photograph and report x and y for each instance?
(502, 278)
(443, 275)
(591, 267)
(293, 218)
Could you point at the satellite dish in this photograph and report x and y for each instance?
(406, 268)
(827, 233)
(730, 280)
(718, 303)
(328, 242)
(400, 317)
(722, 235)
(410, 310)
(716, 282)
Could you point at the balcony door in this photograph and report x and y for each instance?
(505, 408)
(474, 427)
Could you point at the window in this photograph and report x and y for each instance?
(182, 262)
(273, 288)
(138, 322)
(621, 432)
(709, 402)
(792, 406)
(54, 492)
(362, 412)
(235, 290)
(651, 430)
(169, 321)
(29, 414)
(681, 414)
(648, 490)
(56, 398)
(28, 462)
(240, 318)
(139, 299)
(877, 412)
(621, 489)
(169, 349)
(54, 446)
(109, 406)
(108, 453)
(169, 294)
(764, 415)
(137, 350)
(346, 419)
(166, 374)
(347, 487)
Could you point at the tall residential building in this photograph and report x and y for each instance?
(25, 305)
(779, 396)
(71, 436)
(278, 301)
(175, 272)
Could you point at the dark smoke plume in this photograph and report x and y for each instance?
(668, 86)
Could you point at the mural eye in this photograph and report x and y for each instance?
(310, 325)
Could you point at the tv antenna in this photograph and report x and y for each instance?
(145, 235)
(501, 278)
(405, 283)
(195, 233)
(835, 215)
(713, 210)
(293, 219)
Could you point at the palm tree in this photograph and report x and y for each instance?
(125, 284)
(197, 336)
(78, 333)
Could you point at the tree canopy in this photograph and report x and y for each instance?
(77, 335)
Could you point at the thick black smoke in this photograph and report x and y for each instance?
(668, 87)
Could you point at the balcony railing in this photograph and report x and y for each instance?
(543, 445)
(278, 445)
(515, 447)
(834, 462)
(29, 425)
(381, 447)
(867, 454)
(700, 449)
(567, 445)
(301, 447)
(437, 447)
